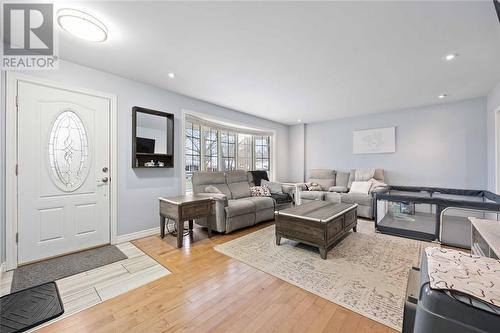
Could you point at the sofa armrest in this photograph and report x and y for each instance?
(287, 188)
(381, 189)
(218, 197)
(301, 186)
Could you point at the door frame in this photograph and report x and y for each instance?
(11, 202)
(497, 150)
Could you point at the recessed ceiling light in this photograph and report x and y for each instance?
(171, 75)
(442, 96)
(82, 25)
(450, 57)
(299, 120)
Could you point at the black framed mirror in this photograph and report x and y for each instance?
(152, 138)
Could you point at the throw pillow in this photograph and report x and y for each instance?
(212, 189)
(324, 183)
(260, 191)
(376, 184)
(364, 175)
(314, 187)
(272, 186)
(360, 187)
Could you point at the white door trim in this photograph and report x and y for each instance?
(497, 150)
(11, 158)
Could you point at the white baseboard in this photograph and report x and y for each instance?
(3, 267)
(137, 235)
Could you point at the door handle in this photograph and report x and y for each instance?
(105, 179)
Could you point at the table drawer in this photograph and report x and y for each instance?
(350, 218)
(299, 229)
(191, 211)
(334, 228)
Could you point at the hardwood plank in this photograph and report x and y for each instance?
(210, 292)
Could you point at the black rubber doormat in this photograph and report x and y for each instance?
(28, 308)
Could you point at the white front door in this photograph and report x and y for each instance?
(63, 171)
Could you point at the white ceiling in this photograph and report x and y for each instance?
(309, 60)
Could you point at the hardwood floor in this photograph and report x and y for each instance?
(210, 292)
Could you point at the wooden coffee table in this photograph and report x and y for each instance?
(317, 223)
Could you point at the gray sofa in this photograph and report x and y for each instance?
(235, 208)
(336, 185)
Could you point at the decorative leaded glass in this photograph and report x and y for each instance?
(68, 151)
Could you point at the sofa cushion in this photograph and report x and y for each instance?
(341, 189)
(312, 195)
(342, 178)
(323, 177)
(332, 197)
(378, 175)
(261, 202)
(237, 181)
(364, 175)
(352, 176)
(272, 186)
(360, 199)
(212, 189)
(201, 179)
(322, 173)
(240, 207)
(361, 187)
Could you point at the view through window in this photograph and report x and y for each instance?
(220, 148)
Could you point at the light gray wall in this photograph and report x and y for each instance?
(442, 145)
(493, 105)
(139, 189)
(296, 153)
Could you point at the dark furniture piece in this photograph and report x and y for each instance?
(317, 223)
(429, 310)
(185, 208)
(28, 308)
(439, 214)
(152, 138)
(256, 177)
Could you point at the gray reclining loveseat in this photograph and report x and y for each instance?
(235, 208)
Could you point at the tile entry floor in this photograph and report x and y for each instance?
(88, 288)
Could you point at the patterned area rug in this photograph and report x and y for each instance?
(366, 272)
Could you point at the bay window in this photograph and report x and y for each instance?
(211, 151)
(216, 147)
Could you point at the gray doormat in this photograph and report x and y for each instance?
(29, 308)
(57, 268)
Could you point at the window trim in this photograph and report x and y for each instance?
(234, 126)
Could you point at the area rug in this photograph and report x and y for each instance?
(57, 268)
(366, 272)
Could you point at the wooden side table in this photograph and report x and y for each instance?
(185, 208)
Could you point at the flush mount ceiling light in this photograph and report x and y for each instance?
(442, 96)
(171, 75)
(82, 25)
(450, 57)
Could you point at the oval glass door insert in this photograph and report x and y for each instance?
(68, 151)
